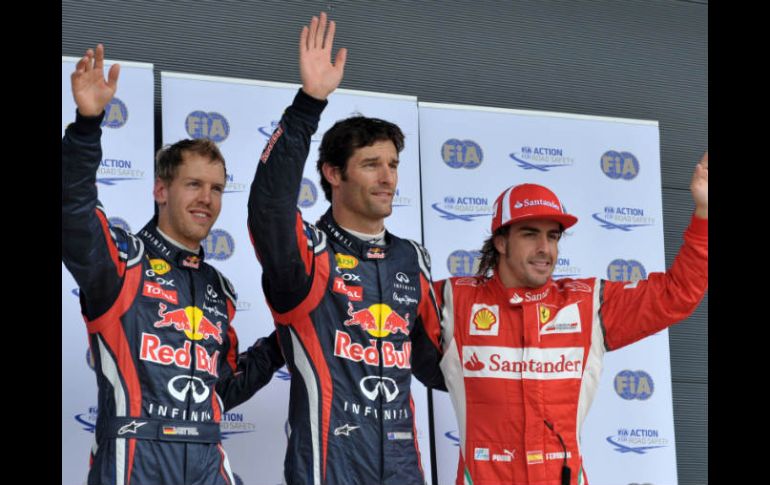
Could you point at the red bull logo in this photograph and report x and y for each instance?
(191, 262)
(379, 320)
(375, 253)
(191, 321)
(346, 349)
(153, 351)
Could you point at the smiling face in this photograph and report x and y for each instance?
(362, 191)
(527, 254)
(189, 205)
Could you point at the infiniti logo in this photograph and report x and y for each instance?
(384, 385)
(402, 278)
(200, 390)
(210, 291)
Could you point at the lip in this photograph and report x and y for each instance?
(200, 214)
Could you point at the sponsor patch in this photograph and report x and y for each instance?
(154, 290)
(567, 320)
(399, 435)
(481, 454)
(484, 319)
(534, 457)
(160, 266)
(354, 293)
(346, 261)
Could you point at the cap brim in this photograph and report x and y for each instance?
(565, 220)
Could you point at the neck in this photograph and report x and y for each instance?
(176, 243)
(349, 220)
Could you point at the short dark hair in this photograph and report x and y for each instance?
(347, 136)
(168, 158)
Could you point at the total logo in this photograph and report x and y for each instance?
(115, 114)
(191, 321)
(634, 385)
(463, 263)
(212, 126)
(619, 165)
(308, 194)
(639, 440)
(623, 219)
(461, 153)
(354, 293)
(378, 320)
(626, 270)
(219, 245)
(542, 159)
(118, 222)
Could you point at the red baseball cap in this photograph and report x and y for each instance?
(529, 201)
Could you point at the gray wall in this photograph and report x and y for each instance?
(631, 59)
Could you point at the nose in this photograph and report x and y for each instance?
(205, 195)
(389, 176)
(543, 244)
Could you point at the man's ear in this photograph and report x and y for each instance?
(160, 192)
(500, 243)
(332, 174)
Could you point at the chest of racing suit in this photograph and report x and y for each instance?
(350, 318)
(522, 365)
(158, 354)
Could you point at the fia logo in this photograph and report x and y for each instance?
(461, 153)
(212, 126)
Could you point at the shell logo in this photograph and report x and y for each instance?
(484, 319)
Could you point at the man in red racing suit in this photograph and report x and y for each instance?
(523, 353)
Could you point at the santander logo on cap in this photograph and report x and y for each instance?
(529, 201)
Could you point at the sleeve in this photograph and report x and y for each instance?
(426, 334)
(255, 368)
(282, 241)
(632, 311)
(92, 252)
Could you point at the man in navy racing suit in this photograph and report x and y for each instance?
(159, 318)
(350, 300)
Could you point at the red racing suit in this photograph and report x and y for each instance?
(523, 364)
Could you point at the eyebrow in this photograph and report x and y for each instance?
(377, 159)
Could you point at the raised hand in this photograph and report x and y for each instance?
(319, 76)
(89, 88)
(700, 187)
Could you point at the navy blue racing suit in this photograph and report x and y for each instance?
(350, 318)
(159, 322)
